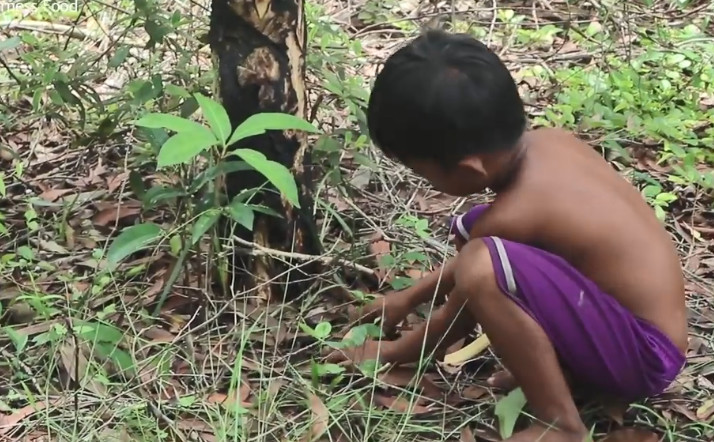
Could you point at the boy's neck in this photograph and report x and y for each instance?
(509, 167)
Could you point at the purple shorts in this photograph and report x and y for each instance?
(601, 343)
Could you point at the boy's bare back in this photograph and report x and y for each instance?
(567, 200)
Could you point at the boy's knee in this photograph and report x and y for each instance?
(473, 271)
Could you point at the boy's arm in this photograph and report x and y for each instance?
(436, 285)
(395, 306)
(445, 326)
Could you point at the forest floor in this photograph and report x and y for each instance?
(83, 358)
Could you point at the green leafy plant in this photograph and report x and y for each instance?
(190, 142)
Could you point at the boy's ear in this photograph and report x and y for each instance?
(474, 164)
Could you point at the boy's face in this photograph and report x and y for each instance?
(458, 180)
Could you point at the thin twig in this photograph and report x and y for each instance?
(263, 251)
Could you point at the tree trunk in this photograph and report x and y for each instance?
(258, 51)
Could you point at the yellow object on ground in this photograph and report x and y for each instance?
(468, 352)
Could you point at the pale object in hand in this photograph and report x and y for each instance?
(473, 349)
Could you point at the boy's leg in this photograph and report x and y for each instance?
(523, 346)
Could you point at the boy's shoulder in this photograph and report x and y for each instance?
(554, 133)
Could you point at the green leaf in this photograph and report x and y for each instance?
(278, 175)
(171, 122)
(328, 369)
(131, 240)
(203, 223)
(369, 367)
(98, 332)
(136, 183)
(184, 146)
(26, 252)
(306, 329)
(175, 244)
(242, 214)
(160, 193)
(119, 57)
(508, 409)
(260, 123)
(10, 43)
(216, 116)
(322, 330)
(19, 340)
(361, 332)
(121, 358)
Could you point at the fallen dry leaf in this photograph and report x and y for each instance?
(684, 411)
(631, 435)
(474, 392)
(94, 176)
(380, 248)
(320, 418)
(76, 365)
(467, 435)
(114, 182)
(158, 334)
(225, 400)
(404, 376)
(53, 194)
(112, 214)
(400, 404)
(193, 425)
(8, 422)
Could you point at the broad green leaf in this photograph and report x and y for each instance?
(242, 214)
(178, 91)
(203, 223)
(216, 116)
(508, 409)
(171, 122)
(322, 330)
(10, 43)
(184, 146)
(98, 332)
(260, 123)
(278, 175)
(121, 358)
(26, 252)
(131, 240)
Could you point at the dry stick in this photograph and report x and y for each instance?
(260, 250)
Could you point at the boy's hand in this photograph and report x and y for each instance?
(392, 309)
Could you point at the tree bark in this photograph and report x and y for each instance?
(258, 48)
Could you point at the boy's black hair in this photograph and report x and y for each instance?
(443, 97)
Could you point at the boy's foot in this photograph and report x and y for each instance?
(541, 433)
(502, 380)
